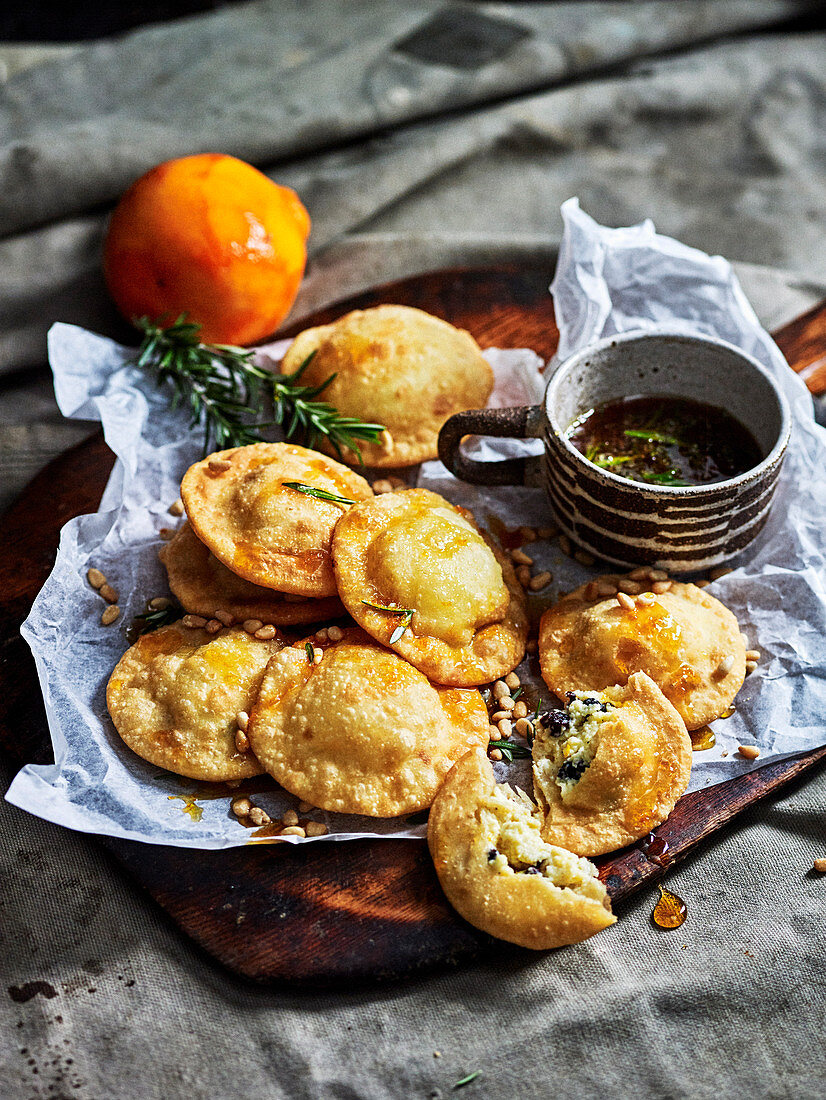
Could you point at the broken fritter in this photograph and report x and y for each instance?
(351, 727)
(610, 767)
(498, 872)
(175, 695)
(396, 366)
(417, 573)
(259, 528)
(683, 638)
(203, 585)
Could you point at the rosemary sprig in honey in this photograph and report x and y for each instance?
(406, 613)
(315, 491)
(222, 388)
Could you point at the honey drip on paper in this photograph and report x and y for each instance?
(190, 806)
(670, 911)
(703, 738)
(727, 713)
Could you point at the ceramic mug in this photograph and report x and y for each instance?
(678, 528)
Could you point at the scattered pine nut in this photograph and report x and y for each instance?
(265, 633)
(398, 482)
(819, 865)
(659, 587)
(523, 575)
(541, 580)
(495, 754)
(645, 599)
(251, 625)
(750, 752)
(750, 666)
(317, 656)
(194, 622)
(109, 593)
(583, 557)
(527, 534)
(606, 588)
(321, 635)
(382, 486)
(520, 557)
(523, 727)
(547, 532)
(241, 806)
(218, 465)
(500, 689)
(752, 654)
(95, 578)
(242, 720)
(625, 601)
(242, 742)
(720, 571)
(641, 573)
(386, 440)
(506, 703)
(305, 807)
(224, 617)
(160, 603)
(513, 681)
(505, 728)
(493, 733)
(259, 817)
(725, 666)
(290, 817)
(658, 575)
(176, 508)
(565, 545)
(292, 830)
(109, 615)
(315, 828)
(520, 710)
(213, 626)
(632, 588)
(498, 715)
(335, 633)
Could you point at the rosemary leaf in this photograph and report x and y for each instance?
(466, 1080)
(406, 612)
(314, 491)
(309, 649)
(154, 619)
(509, 749)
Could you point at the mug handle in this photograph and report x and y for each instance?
(520, 422)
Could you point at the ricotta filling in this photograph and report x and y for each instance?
(566, 741)
(512, 826)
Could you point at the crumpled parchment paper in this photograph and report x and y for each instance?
(607, 281)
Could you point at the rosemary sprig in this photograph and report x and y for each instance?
(466, 1080)
(309, 649)
(406, 612)
(222, 388)
(509, 750)
(319, 494)
(155, 618)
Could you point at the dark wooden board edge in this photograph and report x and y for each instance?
(362, 911)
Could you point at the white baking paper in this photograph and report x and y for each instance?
(607, 281)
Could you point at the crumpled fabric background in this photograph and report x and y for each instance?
(419, 134)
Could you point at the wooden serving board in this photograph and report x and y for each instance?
(330, 913)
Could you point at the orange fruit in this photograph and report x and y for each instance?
(212, 237)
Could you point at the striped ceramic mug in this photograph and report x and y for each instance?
(678, 528)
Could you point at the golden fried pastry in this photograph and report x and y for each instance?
(684, 639)
(261, 530)
(455, 609)
(175, 694)
(395, 366)
(610, 767)
(203, 586)
(361, 732)
(499, 873)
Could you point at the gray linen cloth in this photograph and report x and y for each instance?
(418, 135)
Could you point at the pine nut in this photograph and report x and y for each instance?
(317, 656)
(290, 817)
(547, 532)
(505, 728)
(321, 635)
(382, 486)
(658, 575)
(726, 665)
(218, 465)
(176, 508)
(506, 703)
(565, 545)
(241, 806)
(750, 752)
(495, 754)
(315, 828)
(292, 830)
(194, 622)
(819, 865)
(520, 557)
(752, 654)
(541, 580)
(386, 440)
(625, 602)
(520, 710)
(109, 615)
(750, 666)
(523, 575)
(224, 617)
(265, 633)
(213, 626)
(523, 727)
(632, 588)
(259, 817)
(242, 742)
(109, 593)
(591, 590)
(499, 715)
(641, 573)
(527, 534)
(493, 733)
(160, 603)
(606, 588)
(305, 807)
(660, 587)
(251, 625)
(397, 482)
(335, 633)
(500, 689)
(242, 720)
(95, 578)
(513, 681)
(645, 599)
(583, 557)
